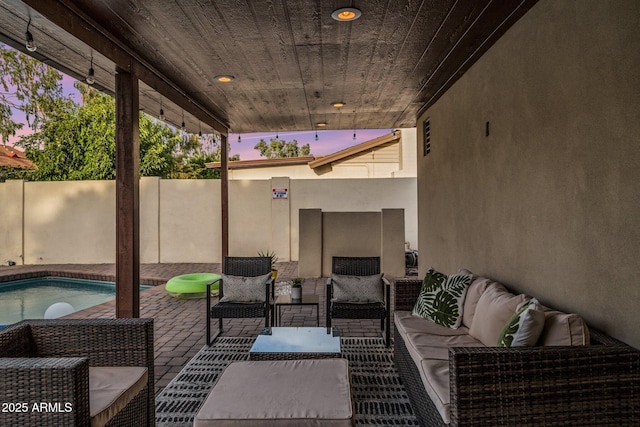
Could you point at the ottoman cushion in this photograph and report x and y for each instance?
(280, 393)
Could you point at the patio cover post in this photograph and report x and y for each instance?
(224, 195)
(127, 196)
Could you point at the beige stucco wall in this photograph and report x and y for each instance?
(11, 221)
(190, 229)
(65, 222)
(74, 221)
(360, 195)
(324, 235)
(549, 202)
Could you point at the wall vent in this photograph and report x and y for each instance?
(427, 138)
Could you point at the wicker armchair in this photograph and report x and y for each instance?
(359, 266)
(245, 267)
(46, 362)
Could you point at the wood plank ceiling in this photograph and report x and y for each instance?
(290, 59)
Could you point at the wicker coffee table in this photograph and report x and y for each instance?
(296, 343)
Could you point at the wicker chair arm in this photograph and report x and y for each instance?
(599, 383)
(406, 293)
(104, 342)
(44, 391)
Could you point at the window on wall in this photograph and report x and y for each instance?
(427, 138)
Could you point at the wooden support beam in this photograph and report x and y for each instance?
(224, 194)
(127, 196)
(71, 18)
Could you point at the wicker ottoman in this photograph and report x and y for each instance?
(280, 393)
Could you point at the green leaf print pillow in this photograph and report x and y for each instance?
(441, 298)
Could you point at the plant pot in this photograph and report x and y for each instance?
(296, 293)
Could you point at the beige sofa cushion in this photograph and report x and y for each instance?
(406, 322)
(435, 376)
(425, 346)
(291, 393)
(561, 329)
(476, 289)
(111, 389)
(495, 308)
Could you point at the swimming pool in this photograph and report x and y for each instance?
(30, 298)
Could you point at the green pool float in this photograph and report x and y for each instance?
(192, 285)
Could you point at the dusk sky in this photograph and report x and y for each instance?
(329, 141)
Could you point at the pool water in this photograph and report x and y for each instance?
(30, 298)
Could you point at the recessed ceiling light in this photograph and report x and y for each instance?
(224, 78)
(321, 124)
(346, 14)
(338, 104)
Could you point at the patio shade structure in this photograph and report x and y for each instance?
(290, 66)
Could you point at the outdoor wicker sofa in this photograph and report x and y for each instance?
(582, 385)
(46, 367)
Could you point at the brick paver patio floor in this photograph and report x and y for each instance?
(179, 324)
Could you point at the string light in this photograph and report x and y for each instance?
(161, 110)
(91, 74)
(239, 139)
(29, 43)
(199, 129)
(184, 127)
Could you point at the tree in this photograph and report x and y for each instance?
(279, 148)
(73, 141)
(79, 142)
(30, 86)
(194, 152)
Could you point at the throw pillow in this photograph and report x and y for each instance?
(357, 289)
(244, 289)
(441, 298)
(524, 327)
(495, 307)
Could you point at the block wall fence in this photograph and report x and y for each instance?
(73, 222)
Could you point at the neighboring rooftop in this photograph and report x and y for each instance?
(15, 158)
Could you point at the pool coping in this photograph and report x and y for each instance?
(73, 275)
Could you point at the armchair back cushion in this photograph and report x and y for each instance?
(495, 308)
(244, 289)
(357, 289)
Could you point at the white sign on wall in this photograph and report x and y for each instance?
(280, 193)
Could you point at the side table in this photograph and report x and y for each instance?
(312, 300)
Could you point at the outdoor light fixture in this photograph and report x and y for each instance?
(346, 14)
(225, 78)
(321, 124)
(91, 74)
(338, 104)
(29, 44)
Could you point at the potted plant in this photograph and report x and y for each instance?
(274, 258)
(296, 288)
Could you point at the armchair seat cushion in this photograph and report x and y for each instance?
(111, 389)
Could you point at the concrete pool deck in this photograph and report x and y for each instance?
(179, 324)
